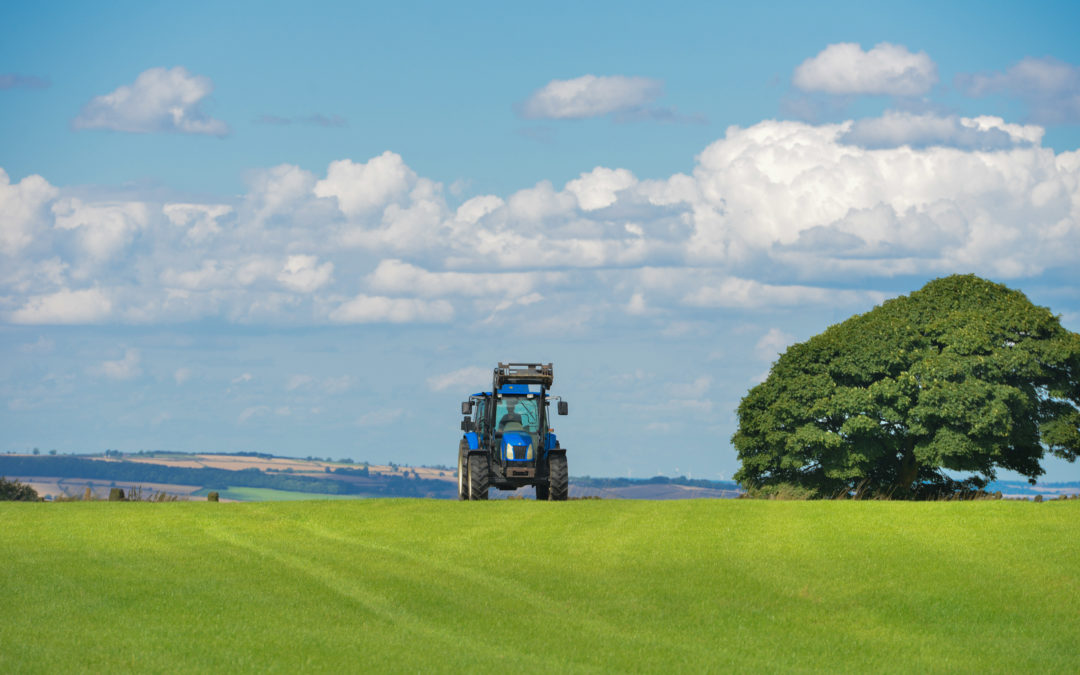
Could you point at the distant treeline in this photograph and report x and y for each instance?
(66, 466)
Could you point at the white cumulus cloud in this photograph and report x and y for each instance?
(304, 274)
(844, 68)
(598, 188)
(200, 221)
(361, 187)
(280, 191)
(104, 229)
(160, 100)
(22, 210)
(89, 305)
(801, 196)
(590, 96)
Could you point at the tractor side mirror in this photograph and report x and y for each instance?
(466, 407)
(466, 425)
(564, 408)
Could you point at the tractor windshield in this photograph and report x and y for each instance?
(518, 413)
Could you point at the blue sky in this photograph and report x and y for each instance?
(310, 230)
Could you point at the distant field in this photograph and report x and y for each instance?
(608, 586)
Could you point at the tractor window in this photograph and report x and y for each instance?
(517, 414)
(479, 418)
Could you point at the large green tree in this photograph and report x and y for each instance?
(963, 375)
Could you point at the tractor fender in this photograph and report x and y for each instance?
(473, 441)
(558, 450)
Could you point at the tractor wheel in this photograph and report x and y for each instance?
(478, 477)
(558, 478)
(541, 493)
(462, 478)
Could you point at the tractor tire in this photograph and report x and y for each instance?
(542, 493)
(478, 477)
(558, 478)
(462, 468)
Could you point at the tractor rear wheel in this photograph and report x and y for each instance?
(462, 481)
(541, 493)
(478, 477)
(558, 478)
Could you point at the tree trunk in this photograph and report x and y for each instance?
(909, 470)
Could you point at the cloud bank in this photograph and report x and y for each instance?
(779, 214)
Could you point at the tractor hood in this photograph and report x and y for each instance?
(516, 438)
(518, 446)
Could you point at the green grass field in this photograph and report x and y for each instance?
(252, 494)
(602, 586)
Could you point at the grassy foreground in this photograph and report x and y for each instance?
(254, 494)
(402, 585)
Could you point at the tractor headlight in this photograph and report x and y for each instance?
(519, 452)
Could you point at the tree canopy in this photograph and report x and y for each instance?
(963, 375)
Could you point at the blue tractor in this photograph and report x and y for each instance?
(508, 441)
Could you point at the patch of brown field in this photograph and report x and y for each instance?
(167, 461)
(51, 486)
(302, 467)
(235, 463)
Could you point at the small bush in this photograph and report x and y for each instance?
(213, 497)
(14, 491)
(784, 491)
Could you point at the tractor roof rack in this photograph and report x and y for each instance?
(523, 373)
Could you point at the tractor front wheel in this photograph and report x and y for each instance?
(462, 481)
(541, 493)
(558, 478)
(478, 477)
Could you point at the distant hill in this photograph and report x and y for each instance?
(192, 475)
(195, 474)
(251, 476)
